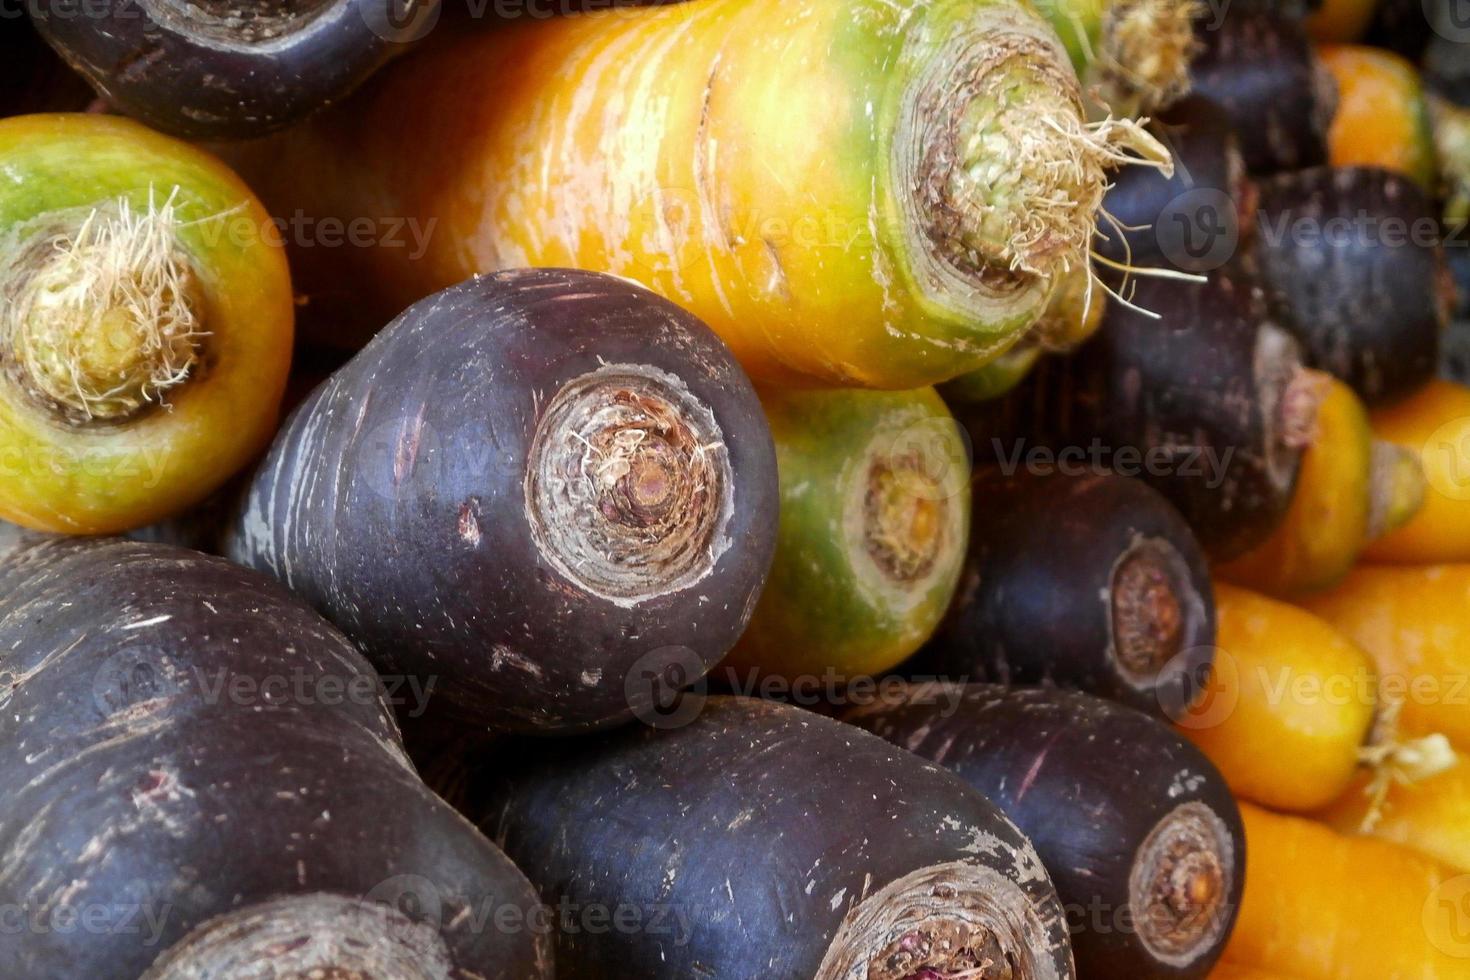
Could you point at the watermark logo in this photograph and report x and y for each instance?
(1199, 230)
(1445, 456)
(1199, 688)
(401, 21)
(1446, 917)
(665, 688)
(938, 458)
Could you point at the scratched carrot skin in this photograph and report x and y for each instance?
(875, 193)
(1133, 823)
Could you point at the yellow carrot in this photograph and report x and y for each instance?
(1431, 816)
(1434, 424)
(874, 193)
(1321, 906)
(1350, 489)
(1289, 705)
(1415, 624)
(147, 324)
(1234, 971)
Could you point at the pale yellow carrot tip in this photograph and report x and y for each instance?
(1396, 488)
(1145, 51)
(1395, 761)
(103, 312)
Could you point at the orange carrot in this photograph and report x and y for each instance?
(1350, 489)
(1415, 624)
(1431, 816)
(1289, 705)
(1434, 424)
(1321, 906)
(1382, 116)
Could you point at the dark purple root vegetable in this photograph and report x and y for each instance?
(1193, 220)
(206, 774)
(1351, 263)
(1208, 404)
(1138, 830)
(32, 77)
(1091, 582)
(771, 842)
(229, 69)
(1262, 70)
(539, 489)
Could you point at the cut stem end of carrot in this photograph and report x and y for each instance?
(1396, 488)
(955, 921)
(1180, 885)
(104, 311)
(998, 169)
(1149, 616)
(628, 484)
(314, 935)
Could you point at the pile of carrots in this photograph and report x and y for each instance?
(883, 489)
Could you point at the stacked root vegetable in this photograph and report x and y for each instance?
(836, 489)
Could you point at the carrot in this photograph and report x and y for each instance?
(148, 323)
(1135, 53)
(1234, 971)
(1261, 68)
(205, 780)
(1351, 489)
(1382, 117)
(795, 846)
(1431, 815)
(860, 192)
(549, 488)
(875, 517)
(1289, 704)
(217, 70)
(1351, 263)
(1412, 622)
(1433, 424)
(1131, 821)
(1321, 906)
(1085, 581)
(1074, 313)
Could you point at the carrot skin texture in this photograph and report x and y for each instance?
(143, 674)
(1234, 971)
(1280, 742)
(1412, 622)
(1368, 304)
(1312, 896)
(1262, 70)
(758, 825)
(1328, 523)
(1431, 816)
(1192, 403)
(743, 172)
(1382, 117)
(419, 447)
(1433, 422)
(1038, 594)
(1041, 754)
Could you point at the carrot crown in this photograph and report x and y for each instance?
(1006, 175)
(104, 309)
